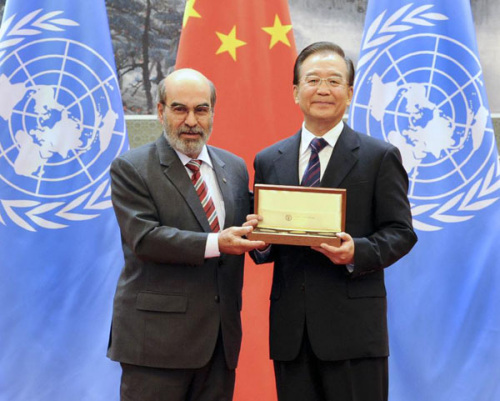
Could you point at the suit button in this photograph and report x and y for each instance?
(221, 262)
(217, 299)
(302, 287)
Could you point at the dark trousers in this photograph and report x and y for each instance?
(309, 379)
(213, 382)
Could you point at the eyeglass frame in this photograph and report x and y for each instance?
(330, 85)
(187, 110)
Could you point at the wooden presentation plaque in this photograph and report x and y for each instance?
(293, 215)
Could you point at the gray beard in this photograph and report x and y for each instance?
(190, 147)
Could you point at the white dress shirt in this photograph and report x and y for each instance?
(306, 137)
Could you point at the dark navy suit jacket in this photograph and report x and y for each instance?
(345, 313)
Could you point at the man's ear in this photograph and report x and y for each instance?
(296, 94)
(160, 108)
(350, 93)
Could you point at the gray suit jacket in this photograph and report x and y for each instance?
(345, 313)
(170, 301)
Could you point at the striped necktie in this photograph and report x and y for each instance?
(202, 190)
(311, 177)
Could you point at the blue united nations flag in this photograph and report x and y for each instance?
(61, 125)
(420, 86)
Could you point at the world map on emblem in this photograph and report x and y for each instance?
(428, 102)
(59, 128)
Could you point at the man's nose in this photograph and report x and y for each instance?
(323, 87)
(191, 119)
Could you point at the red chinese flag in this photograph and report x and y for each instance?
(247, 49)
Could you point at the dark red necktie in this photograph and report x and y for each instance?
(201, 189)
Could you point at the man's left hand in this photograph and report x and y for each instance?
(342, 255)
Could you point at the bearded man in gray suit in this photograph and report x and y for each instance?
(176, 317)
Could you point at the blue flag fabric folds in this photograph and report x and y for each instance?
(61, 125)
(419, 85)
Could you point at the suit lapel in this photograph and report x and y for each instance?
(175, 171)
(343, 159)
(288, 155)
(223, 181)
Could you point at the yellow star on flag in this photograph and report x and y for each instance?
(278, 32)
(189, 12)
(229, 43)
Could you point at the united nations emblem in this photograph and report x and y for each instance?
(60, 125)
(423, 92)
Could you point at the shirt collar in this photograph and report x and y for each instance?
(330, 137)
(203, 156)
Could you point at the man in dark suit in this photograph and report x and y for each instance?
(176, 318)
(328, 328)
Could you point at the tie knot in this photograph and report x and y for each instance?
(194, 165)
(317, 144)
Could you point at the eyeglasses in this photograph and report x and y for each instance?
(332, 82)
(181, 111)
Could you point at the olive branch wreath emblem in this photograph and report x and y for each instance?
(462, 206)
(31, 214)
